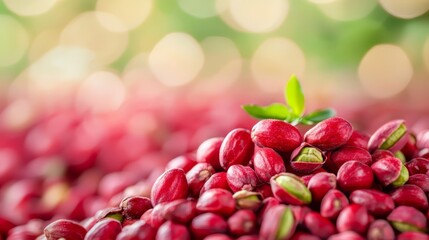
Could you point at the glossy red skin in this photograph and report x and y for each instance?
(171, 185)
(378, 203)
(380, 135)
(346, 153)
(333, 203)
(380, 229)
(172, 231)
(420, 180)
(358, 139)
(270, 225)
(320, 184)
(5, 225)
(353, 218)
(208, 152)
(300, 212)
(180, 211)
(65, 229)
(408, 215)
(104, 230)
(217, 180)
(349, 235)
(218, 236)
(147, 216)
(354, 175)
(380, 154)
(198, 176)
(249, 237)
(422, 139)
(236, 148)
(242, 222)
(134, 207)
(418, 165)
(410, 195)
(304, 236)
(387, 170)
(412, 235)
(267, 203)
(267, 163)
(276, 134)
(305, 167)
(265, 190)
(157, 218)
(318, 225)
(184, 162)
(281, 194)
(218, 201)
(139, 230)
(241, 177)
(206, 224)
(329, 134)
(410, 149)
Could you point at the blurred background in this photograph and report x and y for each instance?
(97, 95)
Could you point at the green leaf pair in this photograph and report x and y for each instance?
(293, 111)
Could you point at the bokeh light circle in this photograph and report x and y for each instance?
(258, 16)
(86, 31)
(275, 61)
(14, 41)
(198, 8)
(176, 59)
(385, 71)
(405, 8)
(29, 7)
(347, 10)
(131, 13)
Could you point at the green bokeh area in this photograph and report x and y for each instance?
(334, 44)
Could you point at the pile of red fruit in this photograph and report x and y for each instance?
(275, 181)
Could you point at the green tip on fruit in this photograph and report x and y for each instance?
(403, 177)
(286, 224)
(394, 137)
(295, 187)
(310, 154)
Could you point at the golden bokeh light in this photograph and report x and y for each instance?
(198, 8)
(405, 8)
(385, 71)
(275, 61)
(223, 63)
(131, 13)
(347, 10)
(86, 31)
(176, 59)
(14, 41)
(101, 92)
(258, 16)
(42, 43)
(29, 7)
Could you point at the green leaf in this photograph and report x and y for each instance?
(273, 111)
(318, 116)
(294, 96)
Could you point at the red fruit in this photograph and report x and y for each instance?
(307, 159)
(377, 203)
(353, 218)
(391, 136)
(380, 230)
(267, 163)
(290, 189)
(133, 207)
(354, 175)
(276, 134)
(207, 224)
(380, 154)
(248, 200)
(333, 203)
(139, 230)
(236, 148)
(180, 211)
(241, 178)
(405, 218)
(172, 231)
(279, 223)
(329, 134)
(304, 236)
(218, 236)
(217, 180)
(218, 201)
(358, 139)
(347, 235)
(413, 235)
(184, 162)
(300, 212)
(66, 229)
(171, 185)
(418, 165)
(420, 180)
(410, 195)
(242, 222)
(348, 153)
(267, 203)
(390, 170)
(198, 176)
(106, 229)
(320, 184)
(208, 152)
(319, 225)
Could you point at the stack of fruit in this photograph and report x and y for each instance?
(273, 182)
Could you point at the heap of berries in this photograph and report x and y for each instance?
(273, 182)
